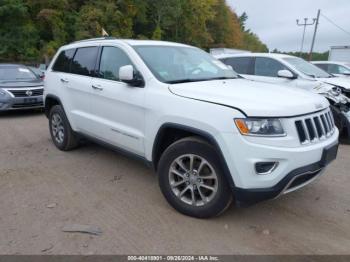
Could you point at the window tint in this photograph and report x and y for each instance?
(268, 67)
(240, 64)
(84, 61)
(63, 61)
(323, 66)
(112, 58)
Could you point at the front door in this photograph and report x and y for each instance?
(118, 108)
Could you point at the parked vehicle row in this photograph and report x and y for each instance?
(211, 136)
(290, 71)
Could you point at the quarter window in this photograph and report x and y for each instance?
(62, 63)
(268, 67)
(112, 58)
(84, 61)
(240, 64)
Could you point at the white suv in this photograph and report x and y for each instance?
(211, 136)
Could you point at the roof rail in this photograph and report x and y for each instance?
(96, 39)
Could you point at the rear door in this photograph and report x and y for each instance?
(118, 108)
(242, 65)
(77, 85)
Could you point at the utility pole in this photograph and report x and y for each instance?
(315, 32)
(305, 24)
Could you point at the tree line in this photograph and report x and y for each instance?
(33, 30)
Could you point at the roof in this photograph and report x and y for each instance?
(131, 42)
(274, 55)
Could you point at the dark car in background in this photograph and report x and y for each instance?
(20, 88)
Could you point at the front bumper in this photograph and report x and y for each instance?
(8, 103)
(295, 180)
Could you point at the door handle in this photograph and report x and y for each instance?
(64, 80)
(97, 87)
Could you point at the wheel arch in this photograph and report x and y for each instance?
(178, 131)
(50, 101)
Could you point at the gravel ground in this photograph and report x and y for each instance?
(43, 190)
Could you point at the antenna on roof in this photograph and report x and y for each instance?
(104, 32)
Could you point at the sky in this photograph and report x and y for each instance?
(274, 21)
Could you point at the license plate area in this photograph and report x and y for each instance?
(329, 155)
(30, 100)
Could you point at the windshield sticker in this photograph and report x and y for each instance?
(24, 70)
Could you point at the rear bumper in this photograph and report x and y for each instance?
(295, 180)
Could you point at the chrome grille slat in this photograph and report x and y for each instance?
(322, 126)
(23, 92)
(315, 127)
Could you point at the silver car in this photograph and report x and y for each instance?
(20, 88)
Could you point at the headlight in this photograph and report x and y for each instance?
(336, 91)
(260, 127)
(2, 93)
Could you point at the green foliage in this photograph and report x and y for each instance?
(33, 30)
(251, 41)
(225, 27)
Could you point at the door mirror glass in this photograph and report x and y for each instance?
(128, 75)
(286, 74)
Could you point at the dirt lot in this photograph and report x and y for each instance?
(43, 190)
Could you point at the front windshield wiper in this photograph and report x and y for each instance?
(188, 80)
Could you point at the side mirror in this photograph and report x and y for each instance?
(286, 74)
(128, 75)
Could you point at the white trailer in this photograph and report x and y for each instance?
(339, 54)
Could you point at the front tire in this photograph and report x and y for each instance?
(192, 180)
(62, 135)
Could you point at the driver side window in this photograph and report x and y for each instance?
(112, 58)
(268, 67)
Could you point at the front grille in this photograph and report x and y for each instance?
(24, 92)
(27, 105)
(317, 127)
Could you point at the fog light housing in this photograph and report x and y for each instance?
(265, 168)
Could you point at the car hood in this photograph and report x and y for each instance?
(337, 81)
(19, 84)
(253, 98)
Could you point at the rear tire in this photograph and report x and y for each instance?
(192, 180)
(62, 135)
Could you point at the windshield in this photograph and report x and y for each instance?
(344, 70)
(306, 67)
(16, 73)
(177, 64)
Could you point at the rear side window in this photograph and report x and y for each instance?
(62, 63)
(112, 58)
(242, 65)
(84, 61)
(268, 67)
